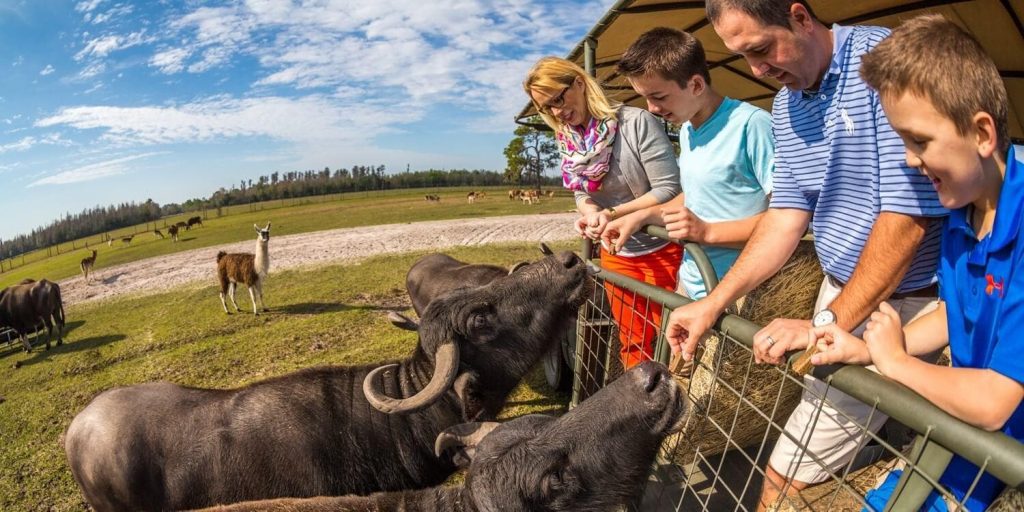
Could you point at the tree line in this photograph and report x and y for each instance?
(277, 185)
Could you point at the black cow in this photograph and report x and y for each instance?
(594, 458)
(160, 446)
(28, 306)
(437, 274)
(192, 221)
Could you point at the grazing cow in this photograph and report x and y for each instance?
(595, 458)
(246, 268)
(23, 307)
(87, 264)
(160, 446)
(181, 224)
(173, 231)
(157, 232)
(192, 221)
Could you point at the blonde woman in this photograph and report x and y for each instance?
(617, 160)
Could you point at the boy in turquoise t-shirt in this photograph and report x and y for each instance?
(954, 127)
(725, 161)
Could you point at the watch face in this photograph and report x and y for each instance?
(824, 317)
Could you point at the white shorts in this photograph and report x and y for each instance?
(832, 436)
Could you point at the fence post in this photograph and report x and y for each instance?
(912, 489)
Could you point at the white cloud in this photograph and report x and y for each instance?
(170, 61)
(301, 120)
(102, 46)
(26, 143)
(47, 70)
(87, 5)
(94, 171)
(117, 12)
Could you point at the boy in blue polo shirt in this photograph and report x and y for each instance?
(954, 127)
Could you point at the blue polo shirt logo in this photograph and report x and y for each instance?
(993, 285)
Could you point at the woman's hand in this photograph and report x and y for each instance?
(592, 224)
(615, 234)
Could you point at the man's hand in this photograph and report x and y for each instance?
(884, 338)
(779, 337)
(687, 325)
(682, 224)
(838, 346)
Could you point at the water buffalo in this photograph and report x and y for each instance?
(594, 458)
(323, 431)
(27, 306)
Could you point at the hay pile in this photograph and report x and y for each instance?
(726, 385)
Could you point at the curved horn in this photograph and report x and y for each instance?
(402, 322)
(463, 439)
(545, 249)
(446, 367)
(518, 266)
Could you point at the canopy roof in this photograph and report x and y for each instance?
(995, 23)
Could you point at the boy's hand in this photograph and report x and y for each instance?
(884, 338)
(687, 324)
(781, 336)
(615, 234)
(682, 224)
(838, 346)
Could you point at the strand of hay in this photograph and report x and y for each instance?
(790, 293)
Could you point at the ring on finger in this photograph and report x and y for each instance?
(771, 341)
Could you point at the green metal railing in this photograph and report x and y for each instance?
(939, 435)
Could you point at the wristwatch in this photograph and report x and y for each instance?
(824, 317)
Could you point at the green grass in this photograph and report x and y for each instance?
(330, 315)
(288, 216)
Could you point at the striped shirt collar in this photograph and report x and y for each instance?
(840, 34)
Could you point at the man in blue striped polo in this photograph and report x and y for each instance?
(840, 170)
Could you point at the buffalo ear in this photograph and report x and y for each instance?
(460, 441)
(402, 322)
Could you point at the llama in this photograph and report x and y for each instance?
(245, 268)
(87, 264)
(173, 231)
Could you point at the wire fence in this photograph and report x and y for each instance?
(739, 409)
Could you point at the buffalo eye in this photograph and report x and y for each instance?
(479, 321)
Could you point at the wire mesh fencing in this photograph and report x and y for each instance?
(739, 409)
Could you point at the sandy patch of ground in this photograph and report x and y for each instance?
(198, 266)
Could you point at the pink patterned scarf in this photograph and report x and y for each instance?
(586, 154)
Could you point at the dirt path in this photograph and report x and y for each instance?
(155, 275)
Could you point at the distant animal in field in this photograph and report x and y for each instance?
(110, 242)
(173, 231)
(595, 458)
(246, 268)
(315, 432)
(23, 307)
(127, 240)
(550, 193)
(156, 232)
(192, 221)
(87, 264)
(471, 197)
(182, 224)
(432, 198)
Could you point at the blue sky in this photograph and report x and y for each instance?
(108, 101)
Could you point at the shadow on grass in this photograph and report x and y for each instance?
(37, 340)
(312, 308)
(112, 278)
(41, 355)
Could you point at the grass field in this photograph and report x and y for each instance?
(288, 216)
(331, 315)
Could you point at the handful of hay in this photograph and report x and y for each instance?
(733, 398)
